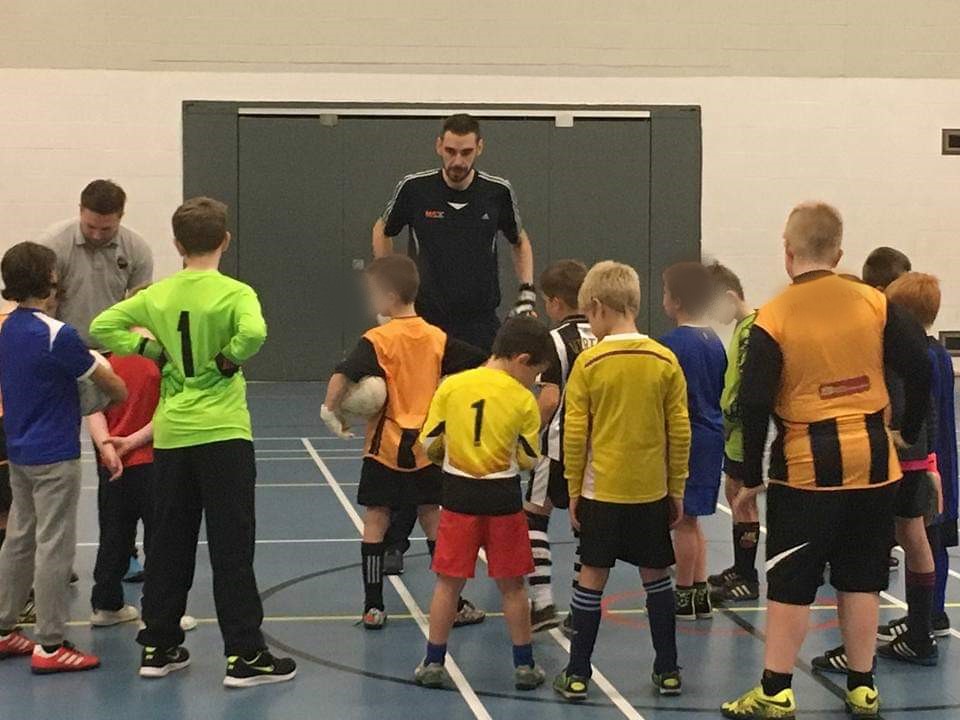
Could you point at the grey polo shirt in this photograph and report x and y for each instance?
(91, 278)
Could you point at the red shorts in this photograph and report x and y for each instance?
(504, 537)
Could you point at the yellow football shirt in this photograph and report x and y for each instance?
(626, 425)
(488, 424)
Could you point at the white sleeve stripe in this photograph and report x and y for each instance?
(403, 181)
(91, 371)
(513, 196)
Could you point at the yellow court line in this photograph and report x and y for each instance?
(353, 618)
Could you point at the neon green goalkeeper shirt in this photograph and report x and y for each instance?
(194, 315)
(730, 399)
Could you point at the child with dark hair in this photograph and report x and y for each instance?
(884, 265)
(547, 488)
(739, 582)
(483, 429)
(411, 356)
(206, 326)
(41, 362)
(687, 295)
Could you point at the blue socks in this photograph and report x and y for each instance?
(435, 654)
(662, 616)
(585, 609)
(523, 655)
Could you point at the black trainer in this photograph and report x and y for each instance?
(393, 562)
(723, 577)
(259, 670)
(686, 609)
(892, 630)
(832, 661)
(737, 590)
(941, 625)
(158, 662)
(566, 627)
(701, 602)
(546, 618)
(906, 651)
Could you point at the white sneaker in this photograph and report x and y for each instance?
(107, 618)
(188, 623)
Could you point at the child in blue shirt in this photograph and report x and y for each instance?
(686, 298)
(41, 362)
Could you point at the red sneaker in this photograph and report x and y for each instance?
(16, 644)
(65, 658)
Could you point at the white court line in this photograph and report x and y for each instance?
(599, 679)
(953, 573)
(885, 595)
(469, 696)
(301, 458)
(281, 541)
(269, 485)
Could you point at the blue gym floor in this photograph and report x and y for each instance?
(308, 569)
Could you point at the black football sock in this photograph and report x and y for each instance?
(585, 609)
(859, 679)
(774, 682)
(49, 649)
(745, 539)
(3, 536)
(371, 555)
(662, 616)
(919, 605)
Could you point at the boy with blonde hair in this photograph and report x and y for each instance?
(626, 451)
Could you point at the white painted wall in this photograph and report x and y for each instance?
(871, 146)
(721, 38)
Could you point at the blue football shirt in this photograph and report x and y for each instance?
(41, 360)
(704, 361)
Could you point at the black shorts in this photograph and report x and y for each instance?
(381, 486)
(638, 534)
(733, 468)
(6, 496)
(548, 483)
(914, 495)
(851, 530)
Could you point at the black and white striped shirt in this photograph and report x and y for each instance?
(570, 338)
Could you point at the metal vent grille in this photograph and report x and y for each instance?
(951, 141)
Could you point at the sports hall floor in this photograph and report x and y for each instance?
(307, 563)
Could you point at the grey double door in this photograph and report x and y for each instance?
(309, 193)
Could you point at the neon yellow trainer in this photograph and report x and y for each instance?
(863, 702)
(756, 705)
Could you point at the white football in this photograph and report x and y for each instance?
(366, 398)
(92, 398)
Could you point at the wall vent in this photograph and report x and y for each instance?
(951, 341)
(951, 141)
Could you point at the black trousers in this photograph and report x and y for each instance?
(121, 505)
(216, 480)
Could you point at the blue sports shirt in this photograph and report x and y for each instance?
(41, 360)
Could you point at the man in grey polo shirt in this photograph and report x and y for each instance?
(98, 259)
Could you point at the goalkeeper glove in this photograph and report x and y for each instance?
(335, 423)
(526, 303)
